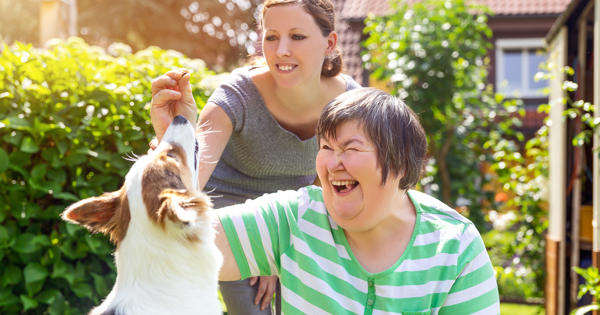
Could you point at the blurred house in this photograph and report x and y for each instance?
(519, 28)
(573, 237)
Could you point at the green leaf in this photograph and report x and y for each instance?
(35, 274)
(63, 270)
(82, 289)
(100, 284)
(28, 243)
(4, 236)
(39, 171)
(48, 296)
(12, 275)
(4, 160)
(7, 298)
(66, 196)
(28, 303)
(29, 146)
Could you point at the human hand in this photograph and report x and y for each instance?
(152, 145)
(266, 288)
(171, 96)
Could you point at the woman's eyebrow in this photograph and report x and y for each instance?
(351, 141)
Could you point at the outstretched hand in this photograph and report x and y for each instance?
(171, 96)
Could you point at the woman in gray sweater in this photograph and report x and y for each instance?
(260, 124)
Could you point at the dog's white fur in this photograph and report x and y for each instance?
(167, 261)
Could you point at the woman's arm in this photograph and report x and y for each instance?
(229, 270)
(475, 290)
(172, 96)
(215, 128)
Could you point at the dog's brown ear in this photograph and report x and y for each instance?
(107, 213)
(182, 205)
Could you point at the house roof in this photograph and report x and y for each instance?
(358, 9)
(525, 7)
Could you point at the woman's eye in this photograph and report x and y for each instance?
(270, 38)
(298, 37)
(325, 147)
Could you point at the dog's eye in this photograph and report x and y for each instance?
(172, 155)
(196, 149)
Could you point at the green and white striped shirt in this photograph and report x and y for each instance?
(445, 268)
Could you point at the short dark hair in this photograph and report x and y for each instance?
(323, 13)
(392, 126)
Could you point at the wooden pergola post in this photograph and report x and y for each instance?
(596, 159)
(556, 238)
(58, 19)
(596, 193)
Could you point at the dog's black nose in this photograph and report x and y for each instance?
(179, 120)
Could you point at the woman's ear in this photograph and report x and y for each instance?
(332, 39)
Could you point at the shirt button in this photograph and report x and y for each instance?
(370, 302)
(371, 283)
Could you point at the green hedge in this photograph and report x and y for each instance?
(69, 114)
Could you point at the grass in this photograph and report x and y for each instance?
(520, 309)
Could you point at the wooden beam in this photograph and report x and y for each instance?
(58, 19)
(557, 178)
(596, 161)
(552, 275)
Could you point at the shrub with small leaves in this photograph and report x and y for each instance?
(69, 114)
(591, 287)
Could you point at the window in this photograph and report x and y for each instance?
(517, 62)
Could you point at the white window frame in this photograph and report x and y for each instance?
(522, 44)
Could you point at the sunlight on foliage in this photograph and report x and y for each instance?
(69, 114)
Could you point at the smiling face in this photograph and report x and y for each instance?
(294, 45)
(353, 191)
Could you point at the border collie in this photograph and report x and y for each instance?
(166, 257)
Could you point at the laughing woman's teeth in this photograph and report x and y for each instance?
(285, 67)
(342, 182)
(344, 185)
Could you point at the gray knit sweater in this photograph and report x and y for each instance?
(261, 156)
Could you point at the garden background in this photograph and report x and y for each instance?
(72, 110)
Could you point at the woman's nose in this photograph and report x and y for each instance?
(283, 48)
(335, 162)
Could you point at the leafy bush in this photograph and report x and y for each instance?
(433, 55)
(68, 116)
(591, 287)
(517, 248)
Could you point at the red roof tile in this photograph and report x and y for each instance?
(361, 8)
(525, 7)
(353, 9)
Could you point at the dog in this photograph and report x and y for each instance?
(166, 257)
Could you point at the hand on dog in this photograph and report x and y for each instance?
(266, 288)
(172, 96)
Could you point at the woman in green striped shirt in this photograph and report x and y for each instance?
(364, 242)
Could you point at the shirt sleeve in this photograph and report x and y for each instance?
(350, 83)
(475, 291)
(232, 97)
(258, 231)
